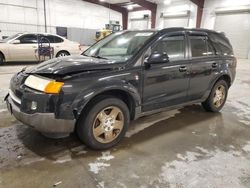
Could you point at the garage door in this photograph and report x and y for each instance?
(237, 28)
(139, 23)
(175, 22)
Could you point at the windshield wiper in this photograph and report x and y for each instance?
(99, 57)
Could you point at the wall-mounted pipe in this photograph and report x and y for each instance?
(45, 18)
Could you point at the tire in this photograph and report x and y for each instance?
(62, 54)
(1, 59)
(98, 129)
(219, 93)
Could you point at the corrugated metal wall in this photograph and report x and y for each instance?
(28, 15)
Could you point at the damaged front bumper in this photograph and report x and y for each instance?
(43, 122)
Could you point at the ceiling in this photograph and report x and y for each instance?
(128, 4)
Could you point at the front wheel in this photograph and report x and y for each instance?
(217, 97)
(105, 124)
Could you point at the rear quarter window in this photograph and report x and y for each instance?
(58, 39)
(221, 44)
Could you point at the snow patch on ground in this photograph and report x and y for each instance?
(100, 163)
(106, 156)
(97, 166)
(210, 169)
(148, 121)
(246, 148)
(203, 150)
(3, 110)
(190, 156)
(135, 176)
(100, 184)
(63, 159)
(213, 134)
(28, 161)
(79, 150)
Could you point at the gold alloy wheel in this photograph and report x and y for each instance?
(108, 124)
(219, 96)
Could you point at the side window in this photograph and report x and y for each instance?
(46, 39)
(58, 39)
(198, 46)
(174, 46)
(223, 45)
(28, 39)
(201, 46)
(210, 49)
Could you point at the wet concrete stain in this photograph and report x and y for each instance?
(187, 147)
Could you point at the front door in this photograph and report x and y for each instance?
(166, 84)
(25, 50)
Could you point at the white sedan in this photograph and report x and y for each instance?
(24, 46)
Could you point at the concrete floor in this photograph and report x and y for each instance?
(180, 148)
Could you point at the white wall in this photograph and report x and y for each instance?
(175, 7)
(138, 14)
(208, 18)
(28, 15)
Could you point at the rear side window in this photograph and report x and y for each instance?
(201, 46)
(58, 39)
(174, 46)
(46, 39)
(50, 39)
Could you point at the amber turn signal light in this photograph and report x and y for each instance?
(53, 87)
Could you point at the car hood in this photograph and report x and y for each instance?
(73, 64)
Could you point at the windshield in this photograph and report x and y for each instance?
(10, 37)
(120, 46)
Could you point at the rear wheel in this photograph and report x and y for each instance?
(62, 54)
(105, 124)
(217, 97)
(1, 59)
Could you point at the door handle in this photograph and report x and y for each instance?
(183, 69)
(214, 65)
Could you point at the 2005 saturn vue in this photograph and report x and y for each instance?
(122, 77)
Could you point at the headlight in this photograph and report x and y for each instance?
(43, 84)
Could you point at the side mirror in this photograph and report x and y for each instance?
(15, 42)
(157, 58)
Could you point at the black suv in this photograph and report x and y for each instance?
(120, 78)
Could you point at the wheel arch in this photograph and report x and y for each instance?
(117, 93)
(2, 54)
(62, 51)
(225, 77)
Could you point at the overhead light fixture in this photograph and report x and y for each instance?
(167, 2)
(102, 0)
(130, 7)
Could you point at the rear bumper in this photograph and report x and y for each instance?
(43, 122)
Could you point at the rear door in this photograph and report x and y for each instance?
(166, 84)
(55, 42)
(205, 65)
